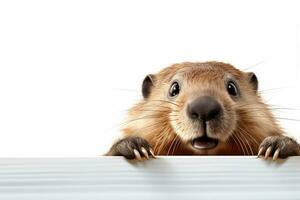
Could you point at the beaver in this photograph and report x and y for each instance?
(207, 108)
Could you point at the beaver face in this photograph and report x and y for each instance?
(207, 114)
(203, 100)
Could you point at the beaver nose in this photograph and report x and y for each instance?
(204, 108)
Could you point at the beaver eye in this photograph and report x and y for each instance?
(232, 88)
(174, 89)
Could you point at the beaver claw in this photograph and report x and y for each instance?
(278, 147)
(132, 148)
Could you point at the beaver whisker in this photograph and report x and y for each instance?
(289, 119)
(177, 144)
(157, 106)
(158, 139)
(159, 145)
(263, 106)
(272, 89)
(151, 109)
(235, 136)
(244, 143)
(152, 116)
(164, 143)
(230, 142)
(254, 110)
(254, 65)
(165, 101)
(148, 109)
(244, 138)
(249, 110)
(157, 132)
(279, 106)
(170, 147)
(178, 126)
(141, 118)
(272, 109)
(237, 143)
(250, 106)
(249, 135)
(160, 111)
(157, 110)
(265, 117)
(150, 126)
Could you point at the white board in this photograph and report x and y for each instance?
(173, 178)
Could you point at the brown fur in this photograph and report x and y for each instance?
(162, 122)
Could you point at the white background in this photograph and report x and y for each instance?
(70, 69)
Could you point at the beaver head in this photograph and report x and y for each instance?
(210, 108)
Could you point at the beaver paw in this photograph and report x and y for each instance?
(278, 147)
(132, 148)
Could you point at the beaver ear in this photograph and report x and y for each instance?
(253, 81)
(147, 86)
